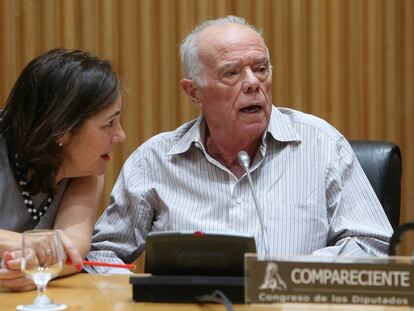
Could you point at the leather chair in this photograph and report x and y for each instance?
(381, 162)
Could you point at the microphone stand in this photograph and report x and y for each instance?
(244, 161)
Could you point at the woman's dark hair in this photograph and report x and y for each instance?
(55, 94)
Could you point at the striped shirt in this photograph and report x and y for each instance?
(313, 193)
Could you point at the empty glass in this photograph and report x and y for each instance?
(42, 260)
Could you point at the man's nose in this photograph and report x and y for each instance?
(251, 83)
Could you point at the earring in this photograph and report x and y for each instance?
(60, 144)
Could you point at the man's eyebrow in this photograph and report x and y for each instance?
(262, 60)
(228, 66)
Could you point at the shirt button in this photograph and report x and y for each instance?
(238, 200)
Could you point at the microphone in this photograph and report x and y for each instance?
(244, 161)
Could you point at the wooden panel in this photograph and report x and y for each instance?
(348, 61)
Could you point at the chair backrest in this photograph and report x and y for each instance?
(381, 162)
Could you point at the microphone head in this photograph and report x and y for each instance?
(244, 159)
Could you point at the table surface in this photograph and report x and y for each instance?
(113, 292)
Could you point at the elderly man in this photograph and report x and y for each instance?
(312, 192)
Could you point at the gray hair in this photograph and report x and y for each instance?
(189, 47)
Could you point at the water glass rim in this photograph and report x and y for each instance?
(41, 231)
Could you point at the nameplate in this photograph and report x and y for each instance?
(375, 281)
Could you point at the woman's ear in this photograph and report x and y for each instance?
(191, 89)
(64, 140)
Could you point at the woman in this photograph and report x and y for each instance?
(60, 122)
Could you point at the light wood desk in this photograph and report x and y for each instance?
(109, 292)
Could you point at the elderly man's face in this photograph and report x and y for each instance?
(237, 95)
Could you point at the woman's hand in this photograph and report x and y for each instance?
(45, 252)
(14, 279)
(11, 276)
(70, 251)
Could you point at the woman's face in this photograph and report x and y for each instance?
(87, 152)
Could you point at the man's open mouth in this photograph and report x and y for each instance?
(251, 109)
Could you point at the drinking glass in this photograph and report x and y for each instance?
(41, 260)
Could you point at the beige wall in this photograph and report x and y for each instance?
(348, 61)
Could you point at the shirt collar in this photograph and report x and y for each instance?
(194, 135)
(280, 127)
